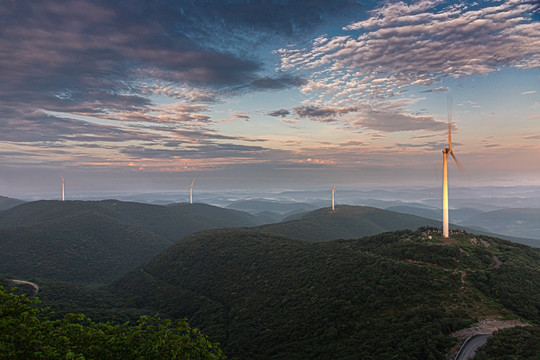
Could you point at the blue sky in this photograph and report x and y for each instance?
(145, 95)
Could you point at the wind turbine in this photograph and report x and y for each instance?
(333, 194)
(62, 188)
(191, 192)
(445, 152)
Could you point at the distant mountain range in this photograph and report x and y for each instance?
(457, 216)
(6, 203)
(80, 240)
(281, 207)
(171, 222)
(515, 222)
(345, 222)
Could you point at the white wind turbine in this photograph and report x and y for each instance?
(62, 187)
(333, 195)
(445, 152)
(191, 192)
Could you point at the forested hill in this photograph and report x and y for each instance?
(170, 222)
(346, 222)
(86, 247)
(393, 295)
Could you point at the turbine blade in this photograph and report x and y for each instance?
(460, 167)
(192, 182)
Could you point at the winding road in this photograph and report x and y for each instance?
(470, 346)
(34, 285)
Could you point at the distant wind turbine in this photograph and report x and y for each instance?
(191, 192)
(333, 195)
(445, 152)
(63, 183)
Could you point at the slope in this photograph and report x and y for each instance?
(85, 247)
(394, 295)
(345, 222)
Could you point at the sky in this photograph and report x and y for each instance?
(138, 95)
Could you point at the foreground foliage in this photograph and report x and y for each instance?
(27, 332)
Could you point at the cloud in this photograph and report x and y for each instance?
(437, 90)
(282, 82)
(431, 145)
(532, 137)
(322, 114)
(530, 92)
(246, 23)
(236, 115)
(390, 121)
(87, 58)
(392, 116)
(279, 113)
(39, 127)
(205, 150)
(401, 44)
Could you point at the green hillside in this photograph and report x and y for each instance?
(393, 295)
(84, 247)
(345, 222)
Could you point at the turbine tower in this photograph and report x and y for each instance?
(63, 188)
(445, 152)
(191, 192)
(333, 195)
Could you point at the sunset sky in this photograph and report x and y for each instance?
(137, 95)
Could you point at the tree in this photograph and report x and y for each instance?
(27, 332)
